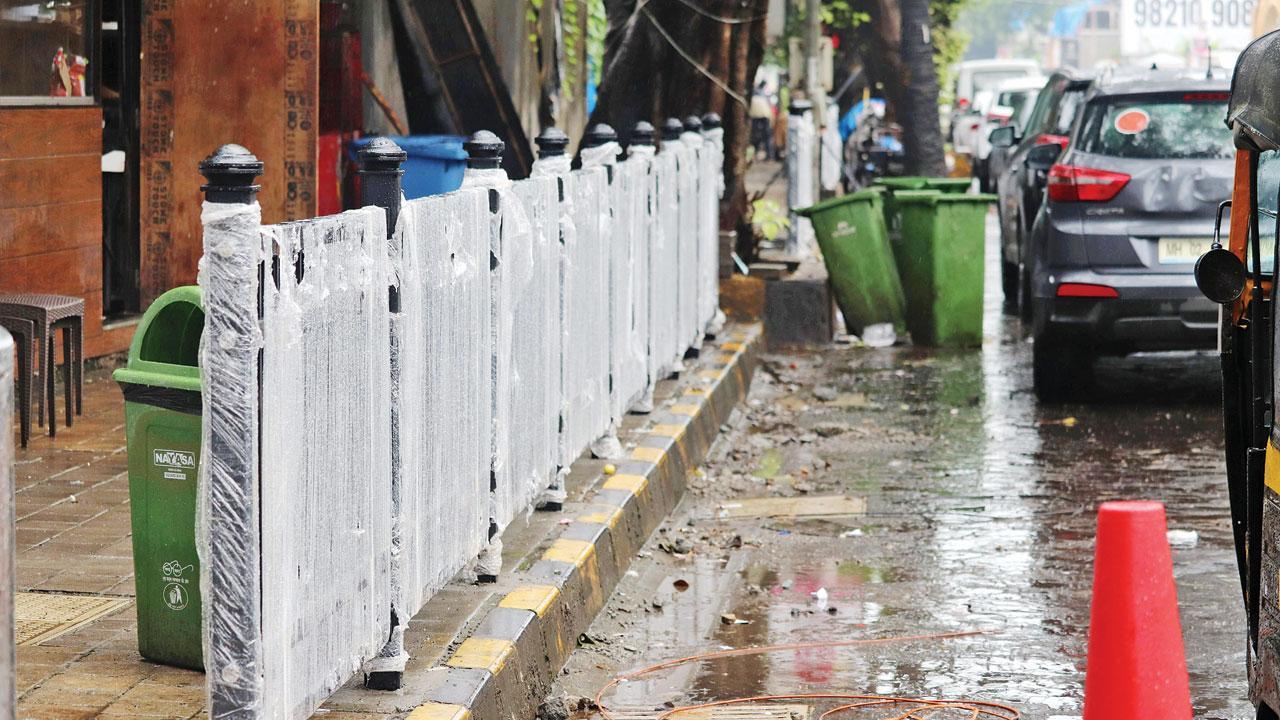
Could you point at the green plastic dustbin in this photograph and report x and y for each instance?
(855, 247)
(162, 404)
(940, 258)
(893, 185)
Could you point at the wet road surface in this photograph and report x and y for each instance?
(979, 517)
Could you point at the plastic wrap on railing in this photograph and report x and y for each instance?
(800, 161)
(445, 389)
(665, 351)
(634, 183)
(690, 330)
(227, 517)
(326, 457)
(586, 317)
(710, 180)
(530, 265)
(7, 548)
(626, 348)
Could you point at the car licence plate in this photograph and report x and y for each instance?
(1185, 251)
(1182, 251)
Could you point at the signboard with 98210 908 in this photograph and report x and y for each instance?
(1186, 28)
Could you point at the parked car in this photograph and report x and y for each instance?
(1012, 104)
(1129, 208)
(972, 78)
(1021, 183)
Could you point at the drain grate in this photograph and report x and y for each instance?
(768, 711)
(44, 616)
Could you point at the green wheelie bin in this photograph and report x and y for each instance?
(162, 405)
(893, 185)
(940, 258)
(855, 247)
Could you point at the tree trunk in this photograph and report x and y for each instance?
(645, 78)
(918, 111)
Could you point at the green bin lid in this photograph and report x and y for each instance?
(933, 197)
(165, 351)
(864, 195)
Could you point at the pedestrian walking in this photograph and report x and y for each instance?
(761, 112)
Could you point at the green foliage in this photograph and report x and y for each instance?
(597, 27)
(533, 20)
(769, 218)
(845, 16)
(579, 45)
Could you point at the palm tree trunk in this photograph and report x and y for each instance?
(918, 115)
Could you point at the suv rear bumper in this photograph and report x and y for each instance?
(1154, 311)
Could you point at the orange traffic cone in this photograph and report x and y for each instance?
(1136, 664)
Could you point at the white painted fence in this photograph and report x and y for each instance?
(380, 406)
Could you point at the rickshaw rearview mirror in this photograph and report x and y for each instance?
(1220, 275)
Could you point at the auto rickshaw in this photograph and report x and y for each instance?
(1241, 277)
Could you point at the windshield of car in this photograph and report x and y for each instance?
(1179, 126)
(1064, 115)
(1019, 102)
(989, 79)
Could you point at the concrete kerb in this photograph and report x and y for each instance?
(506, 665)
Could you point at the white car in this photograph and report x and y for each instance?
(974, 77)
(1011, 103)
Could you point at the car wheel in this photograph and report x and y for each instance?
(1024, 293)
(1009, 284)
(1059, 371)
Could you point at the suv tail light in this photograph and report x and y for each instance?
(1071, 183)
(1059, 140)
(1087, 290)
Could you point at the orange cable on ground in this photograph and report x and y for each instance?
(921, 709)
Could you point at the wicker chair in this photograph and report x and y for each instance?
(48, 314)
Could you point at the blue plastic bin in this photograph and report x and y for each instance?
(435, 164)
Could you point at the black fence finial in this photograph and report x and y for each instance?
(380, 177)
(231, 171)
(484, 151)
(551, 142)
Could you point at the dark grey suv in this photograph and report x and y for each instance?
(1129, 207)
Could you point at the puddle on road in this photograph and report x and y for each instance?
(979, 516)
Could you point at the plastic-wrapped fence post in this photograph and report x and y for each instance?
(586, 354)
(690, 232)
(534, 430)
(484, 170)
(380, 186)
(831, 151)
(8, 565)
(445, 388)
(712, 190)
(227, 535)
(600, 150)
(326, 457)
(640, 195)
(667, 354)
(552, 162)
(800, 185)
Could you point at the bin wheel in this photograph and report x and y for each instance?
(1059, 371)
(1266, 713)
